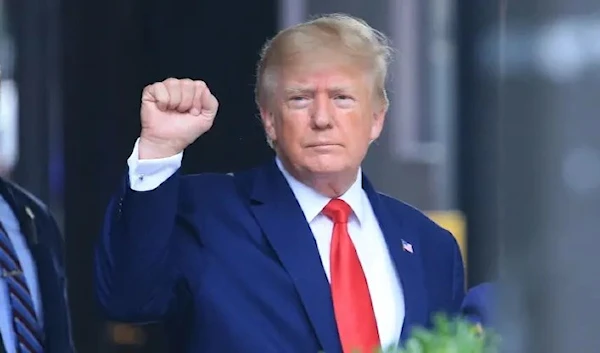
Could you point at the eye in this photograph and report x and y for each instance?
(297, 98)
(343, 97)
(298, 102)
(344, 101)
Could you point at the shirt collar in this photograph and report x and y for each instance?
(312, 203)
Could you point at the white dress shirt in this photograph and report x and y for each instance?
(12, 227)
(363, 227)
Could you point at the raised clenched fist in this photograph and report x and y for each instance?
(174, 114)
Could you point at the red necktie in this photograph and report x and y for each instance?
(352, 305)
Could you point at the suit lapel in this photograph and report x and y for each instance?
(54, 305)
(284, 225)
(408, 265)
(49, 282)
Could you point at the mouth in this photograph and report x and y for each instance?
(323, 145)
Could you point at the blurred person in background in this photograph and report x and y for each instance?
(9, 112)
(9, 127)
(300, 254)
(34, 315)
(478, 305)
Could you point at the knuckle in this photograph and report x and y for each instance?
(161, 91)
(171, 83)
(187, 86)
(186, 82)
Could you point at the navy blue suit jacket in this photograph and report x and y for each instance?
(48, 251)
(229, 263)
(478, 305)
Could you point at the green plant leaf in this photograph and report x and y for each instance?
(448, 335)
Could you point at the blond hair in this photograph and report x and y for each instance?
(344, 34)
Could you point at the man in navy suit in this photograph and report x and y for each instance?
(34, 312)
(300, 254)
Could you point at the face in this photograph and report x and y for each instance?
(323, 116)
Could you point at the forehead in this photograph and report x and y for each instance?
(336, 74)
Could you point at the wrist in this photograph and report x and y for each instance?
(147, 149)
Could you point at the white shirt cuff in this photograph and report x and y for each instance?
(148, 174)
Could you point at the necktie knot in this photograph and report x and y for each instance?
(338, 211)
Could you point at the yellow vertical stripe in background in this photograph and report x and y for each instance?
(454, 222)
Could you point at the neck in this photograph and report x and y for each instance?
(332, 186)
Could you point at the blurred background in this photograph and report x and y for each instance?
(494, 130)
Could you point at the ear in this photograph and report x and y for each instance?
(377, 123)
(268, 120)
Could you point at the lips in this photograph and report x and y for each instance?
(323, 144)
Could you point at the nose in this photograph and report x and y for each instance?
(322, 113)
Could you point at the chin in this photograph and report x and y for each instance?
(327, 164)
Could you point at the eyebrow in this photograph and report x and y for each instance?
(305, 90)
(290, 91)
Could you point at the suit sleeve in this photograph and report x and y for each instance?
(134, 273)
(478, 303)
(459, 284)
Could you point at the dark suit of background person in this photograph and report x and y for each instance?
(478, 305)
(39, 248)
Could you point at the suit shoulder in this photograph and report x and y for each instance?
(211, 180)
(43, 216)
(220, 183)
(407, 212)
(204, 178)
(416, 219)
(25, 197)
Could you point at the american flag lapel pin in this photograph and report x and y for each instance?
(406, 246)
